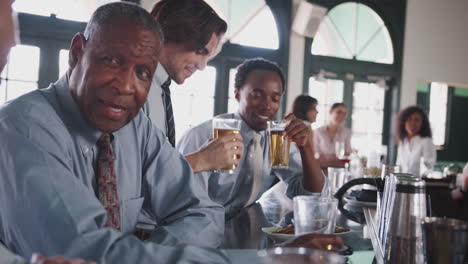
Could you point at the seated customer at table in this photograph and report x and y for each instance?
(87, 159)
(67, 190)
(305, 108)
(8, 31)
(415, 141)
(326, 137)
(259, 86)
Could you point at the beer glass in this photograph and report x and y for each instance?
(337, 177)
(279, 145)
(222, 127)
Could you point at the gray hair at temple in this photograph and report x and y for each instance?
(134, 14)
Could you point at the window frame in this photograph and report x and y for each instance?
(392, 14)
(52, 34)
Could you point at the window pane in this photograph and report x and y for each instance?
(260, 32)
(17, 88)
(21, 73)
(344, 19)
(367, 117)
(233, 105)
(328, 42)
(353, 30)
(368, 95)
(327, 92)
(23, 63)
(379, 49)
(63, 62)
(193, 101)
(250, 22)
(78, 10)
(368, 24)
(2, 92)
(438, 112)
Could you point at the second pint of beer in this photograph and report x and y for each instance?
(279, 145)
(222, 127)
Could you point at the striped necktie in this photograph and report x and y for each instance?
(107, 182)
(256, 151)
(170, 126)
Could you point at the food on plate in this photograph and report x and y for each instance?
(289, 230)
(339, 229)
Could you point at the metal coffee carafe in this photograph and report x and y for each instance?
(405, 207)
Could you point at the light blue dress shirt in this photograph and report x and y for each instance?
(233, 190)
(48, 199)
(7, 257)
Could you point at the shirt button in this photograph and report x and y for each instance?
(85, 149)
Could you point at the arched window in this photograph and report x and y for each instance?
(352, 48)
(251, 22)
(354, 31)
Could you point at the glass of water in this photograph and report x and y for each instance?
(314, 215)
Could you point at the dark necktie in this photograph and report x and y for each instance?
(170, 126)
(107, 182)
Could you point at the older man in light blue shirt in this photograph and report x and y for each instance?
(259, 88)
(48, 159)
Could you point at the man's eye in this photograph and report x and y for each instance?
(143, 74)
(112, 60)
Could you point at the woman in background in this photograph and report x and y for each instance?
(415, 145)
(305, 108)
(327, 137)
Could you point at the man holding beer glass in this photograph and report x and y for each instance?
(259, 86)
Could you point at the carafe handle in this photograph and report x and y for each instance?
(377, 182)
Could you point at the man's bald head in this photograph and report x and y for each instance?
(107, 16)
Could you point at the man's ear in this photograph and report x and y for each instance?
(237, 94)
(76, 50)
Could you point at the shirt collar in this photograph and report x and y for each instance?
(72, 114)
(161, 75)
(246, 131)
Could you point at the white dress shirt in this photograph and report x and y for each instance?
(325, 146)
(410, 152)
(154, 106)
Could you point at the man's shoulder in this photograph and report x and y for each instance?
(33, 105)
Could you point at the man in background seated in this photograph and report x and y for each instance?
(192, 36)
(259, 86)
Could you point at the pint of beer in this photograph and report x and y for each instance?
(279, 145)
(222, 127)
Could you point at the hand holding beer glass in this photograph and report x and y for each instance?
(223, 127)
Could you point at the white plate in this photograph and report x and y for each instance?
(353, 202)
(280, 237)
(283, 237)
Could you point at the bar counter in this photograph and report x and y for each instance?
(274, 208)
